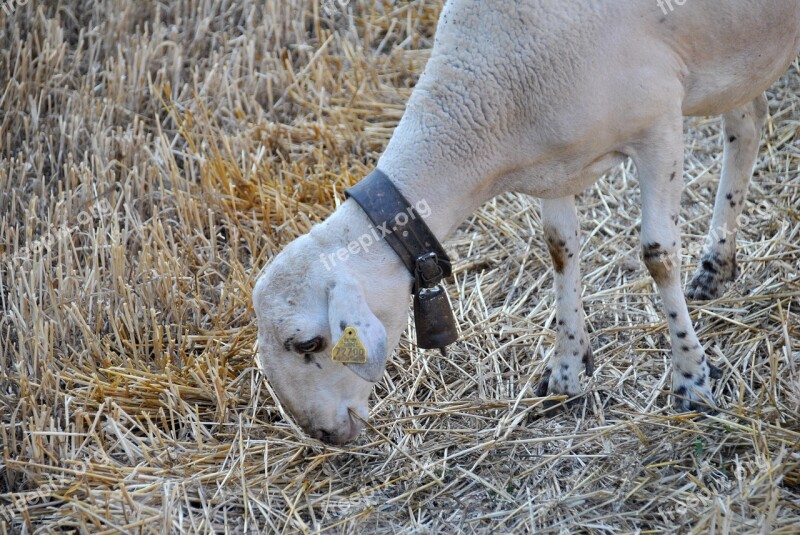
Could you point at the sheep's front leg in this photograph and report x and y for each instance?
(572, 351)
(659, 160)
(741, 131)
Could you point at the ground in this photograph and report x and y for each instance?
(155, 155)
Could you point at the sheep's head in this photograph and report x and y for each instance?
(303, 306)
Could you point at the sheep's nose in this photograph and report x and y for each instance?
(346, 434)
(326, 437)
(333, 438)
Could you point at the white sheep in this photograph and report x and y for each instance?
(539, 97)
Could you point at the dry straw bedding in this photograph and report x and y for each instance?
(154, 156)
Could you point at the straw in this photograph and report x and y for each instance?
(155, 156)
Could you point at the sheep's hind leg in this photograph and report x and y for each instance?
(572, 351)
(742, 132)
(659, 161)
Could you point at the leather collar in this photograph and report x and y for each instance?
(407, 234)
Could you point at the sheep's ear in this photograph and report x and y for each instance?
(348, 308)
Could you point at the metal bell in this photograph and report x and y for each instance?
(434, 319)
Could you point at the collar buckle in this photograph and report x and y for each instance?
(428, 271)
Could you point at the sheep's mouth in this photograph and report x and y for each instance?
(343, 436)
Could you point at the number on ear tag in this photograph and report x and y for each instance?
(349, 349)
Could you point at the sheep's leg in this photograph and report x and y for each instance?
(572, 351)
(742, 129)
(659, 161)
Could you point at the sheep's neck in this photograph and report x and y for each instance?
(444, 195)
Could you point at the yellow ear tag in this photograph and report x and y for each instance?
(349, 349)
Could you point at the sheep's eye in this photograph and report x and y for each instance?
(314, 345)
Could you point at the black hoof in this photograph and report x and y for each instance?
(552, 407)
(544, 381)
(703, 409)
(694, 402)
(588, 362)
(714, 372)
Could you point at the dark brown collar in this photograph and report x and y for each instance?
(407, 234)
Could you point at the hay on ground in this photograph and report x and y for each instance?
(155, 155)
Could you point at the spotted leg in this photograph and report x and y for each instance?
(742, 129)
(659, 161)
(572, 351)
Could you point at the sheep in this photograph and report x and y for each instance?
(541, 98)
